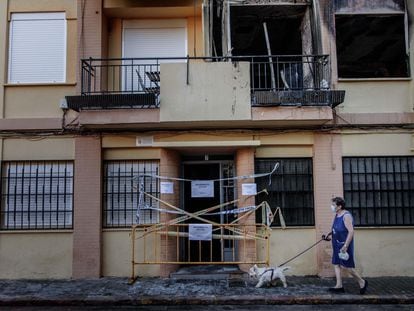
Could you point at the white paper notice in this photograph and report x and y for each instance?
(202, 189)
(167, 187)
(249, 189)
(200, 232)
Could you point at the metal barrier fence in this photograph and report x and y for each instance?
(171, 244)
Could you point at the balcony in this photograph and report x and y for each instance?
(291, 80)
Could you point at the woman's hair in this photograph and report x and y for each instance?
(339, 202)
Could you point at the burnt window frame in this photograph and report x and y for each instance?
(37, 195)
(406, 51)
(281, 177)
(375, 177)
(121, 193)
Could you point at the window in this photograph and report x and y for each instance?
(371, 46)
(380, 190)
(37, 48)
(121, 195)
(291, 188)
(37, 195)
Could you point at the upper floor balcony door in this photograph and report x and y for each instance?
(150, 40)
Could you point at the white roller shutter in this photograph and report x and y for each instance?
(155, 38)
(37, 48)
(151, 39)
(161, 42)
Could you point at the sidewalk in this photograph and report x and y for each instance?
(158, 291)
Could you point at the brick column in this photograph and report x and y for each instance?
(91, 42)
(169, 166)
(327, 175)
(245, 166)
(87, 208)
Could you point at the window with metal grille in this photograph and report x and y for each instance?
(291, 188)
(37, 195)
(121, 193)
(380, 190)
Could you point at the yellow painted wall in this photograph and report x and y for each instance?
(38, 149)
(205, 98)
(377, 144)
(35, 255)
(284, 151)
(298, 138)
(376, 96)
(116, 255)
(70, 9)
(69, 6)
(392, 249)
(35, 101)
(132, 154)
(28, 101)
(284, 244)
(151, 9)
(195, 43)
(385, 252)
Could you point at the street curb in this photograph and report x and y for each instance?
(207, 300)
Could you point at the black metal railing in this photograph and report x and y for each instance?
(142, 75)
(274, 80)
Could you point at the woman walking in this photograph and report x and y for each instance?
(343, 246)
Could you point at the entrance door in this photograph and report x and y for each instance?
(206, 251)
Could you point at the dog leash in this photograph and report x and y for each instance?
(271, 276)
(323, 238)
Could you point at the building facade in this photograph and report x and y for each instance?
(100, 98)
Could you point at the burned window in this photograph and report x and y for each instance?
(371, 46)
(284, 26)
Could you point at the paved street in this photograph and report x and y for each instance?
(225, 308)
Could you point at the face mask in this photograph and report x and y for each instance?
(333, 208)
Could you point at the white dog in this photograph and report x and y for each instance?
(268, 276)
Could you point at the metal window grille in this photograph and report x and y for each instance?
(37, 195)
(379, 190)
(121, 193)
(291, 188)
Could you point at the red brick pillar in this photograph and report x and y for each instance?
(87, 208)
(245, 166)
(170, 164)
(327, 175)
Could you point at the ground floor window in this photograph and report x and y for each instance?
(37, 195)
(121, 194)
(380, 190)
(291, 188)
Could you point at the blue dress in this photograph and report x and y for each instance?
(339, 234)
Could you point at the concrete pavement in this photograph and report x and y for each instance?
(232, 291)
